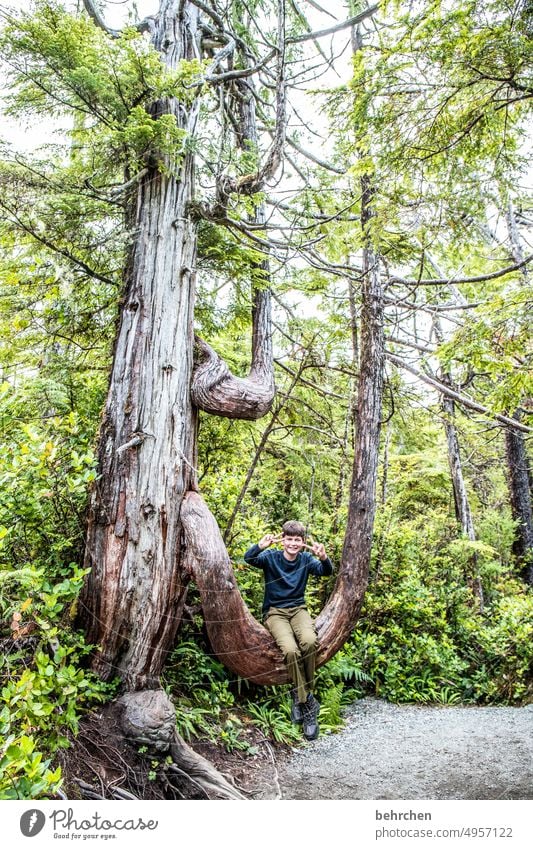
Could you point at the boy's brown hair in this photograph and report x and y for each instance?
(293, 529)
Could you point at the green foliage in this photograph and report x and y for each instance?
(205, 705)
(23, 772)
(61, 62)
(45, 689)
(495, 344)
(45, 469)
(46, 700)
(422, 636)
(273, 717)
(330, 716)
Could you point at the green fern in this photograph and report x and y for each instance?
(274, 722)
(331, 708)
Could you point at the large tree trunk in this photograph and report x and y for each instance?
(519, 476)
(518, 468)
(134, 595)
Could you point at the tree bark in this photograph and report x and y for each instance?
(519, 477)
(134, 595)
(518, 468)
(340, 614)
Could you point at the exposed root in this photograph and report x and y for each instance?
(113, 755)
(202, 772)
(148, 719)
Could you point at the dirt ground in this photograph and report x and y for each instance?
(389, 751)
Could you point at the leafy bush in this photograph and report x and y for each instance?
(44, 474)
(23, 772)
(422, 636)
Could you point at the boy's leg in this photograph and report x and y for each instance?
(304, 631)
(278, 622)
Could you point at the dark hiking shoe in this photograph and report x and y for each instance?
(296, 709)
(310, 710)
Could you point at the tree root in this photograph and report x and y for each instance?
(203, 773)
(148, 719)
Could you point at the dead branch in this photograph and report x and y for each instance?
(94, 12)
(457, 396)
(480, 278)
(350, 22)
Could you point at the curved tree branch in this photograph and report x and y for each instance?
(217, 391)
(480, 278)
(349, 22)
(214, 388)
(239, 641)
(94, 12)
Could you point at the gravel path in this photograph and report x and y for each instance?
(389, 751)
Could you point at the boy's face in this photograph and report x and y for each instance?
(292, 545)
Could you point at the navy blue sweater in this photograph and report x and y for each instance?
(286, 580)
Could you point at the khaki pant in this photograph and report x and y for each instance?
(294, 632)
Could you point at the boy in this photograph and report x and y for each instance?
(285, 614)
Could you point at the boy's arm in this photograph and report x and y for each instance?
(320, 565)
(253, 555)
(320, 568)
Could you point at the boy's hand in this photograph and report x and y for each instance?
(269, 539)
(318, 549)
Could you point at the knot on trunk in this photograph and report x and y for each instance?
(217, 391)
(148, 718)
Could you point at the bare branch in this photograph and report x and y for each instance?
(423, 348)
(319, 389)
(241, 73)
(351, 22)
(457, 396)
(318, 8)
(308, 155)
(124, 187)
(431, 308)
(275, 154)
(94, 12)
(219, 57)
(480, 278)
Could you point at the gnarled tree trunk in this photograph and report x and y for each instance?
(240, 642)
(134, 594)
